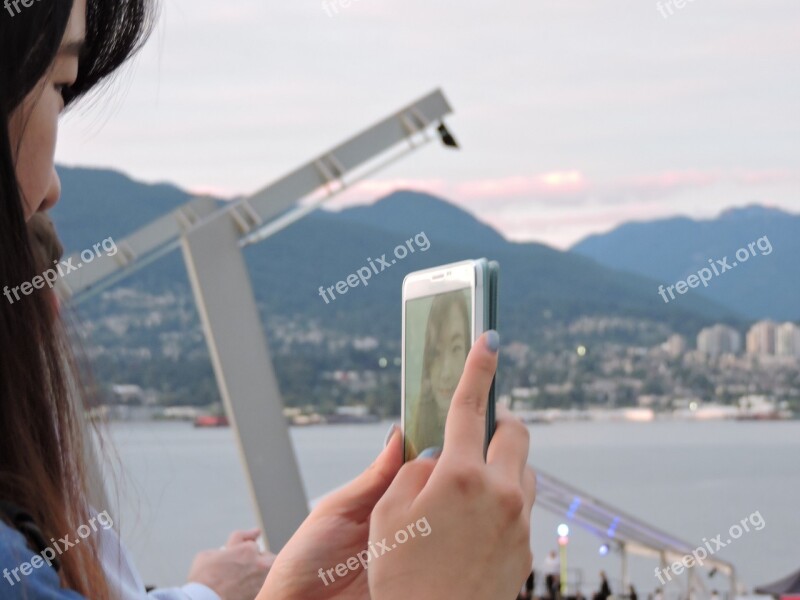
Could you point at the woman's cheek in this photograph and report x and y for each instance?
(36, 150)
(32, 174)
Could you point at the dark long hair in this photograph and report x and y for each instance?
(41, 445)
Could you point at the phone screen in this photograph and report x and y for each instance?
(438, 337)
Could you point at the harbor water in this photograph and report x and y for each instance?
(181, 490)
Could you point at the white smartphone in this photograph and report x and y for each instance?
(445, 309)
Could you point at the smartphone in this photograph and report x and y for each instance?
(445, 309)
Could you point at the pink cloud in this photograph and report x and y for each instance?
(555, 183)
(564, 228)
(669, 180)
(767, 176)
(512, 198)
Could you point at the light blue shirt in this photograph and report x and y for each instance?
(24, 575)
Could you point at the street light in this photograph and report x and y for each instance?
(563, 540)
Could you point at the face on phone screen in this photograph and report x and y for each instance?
(438, 337)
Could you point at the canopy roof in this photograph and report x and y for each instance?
(787, 586)
(614, 526)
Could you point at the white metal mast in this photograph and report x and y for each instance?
(211, 238)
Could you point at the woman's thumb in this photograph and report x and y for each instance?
(360, 495)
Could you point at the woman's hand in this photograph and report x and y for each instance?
(237, 570)
(334, 533)
(477, 513)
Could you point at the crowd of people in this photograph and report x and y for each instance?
(553, 589)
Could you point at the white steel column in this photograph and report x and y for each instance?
(245, 375)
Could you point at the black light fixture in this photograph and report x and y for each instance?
(447, 137)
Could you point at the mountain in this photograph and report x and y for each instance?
(538, 284)
(99, 203)
(399, 212)
(766, 284)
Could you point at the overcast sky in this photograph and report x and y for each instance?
(573, 115)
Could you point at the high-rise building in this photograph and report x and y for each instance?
(675, 345)
(787, 340)
(761, 339)
(718, 340)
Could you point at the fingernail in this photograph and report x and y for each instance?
(432, 452)
(389, 434)
(492, 340)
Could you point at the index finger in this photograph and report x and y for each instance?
(508, 451)
(239, 536)
(465, 428)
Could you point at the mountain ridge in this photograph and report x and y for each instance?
(671, 249)
(538, 284)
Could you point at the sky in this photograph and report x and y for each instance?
(573, 116)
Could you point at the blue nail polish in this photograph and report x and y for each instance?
(389, 434)
(432, 452)
(493, 340)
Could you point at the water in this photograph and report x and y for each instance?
(184, 489)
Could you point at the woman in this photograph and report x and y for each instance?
(447, 339)
(479, 511)
(44, 67)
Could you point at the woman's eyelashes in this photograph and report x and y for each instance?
(65, 91)
(63, 82)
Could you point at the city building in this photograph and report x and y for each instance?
(761, 339)
(719, 339)
(675, 345)
(787, 340)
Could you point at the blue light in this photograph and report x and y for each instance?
(603, 550)
(573, 507)
(613, 528)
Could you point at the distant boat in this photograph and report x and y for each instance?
(763, 408)
(351, 414)
(534, 417)
(211, 421)
(341, 418)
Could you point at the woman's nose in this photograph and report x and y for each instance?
(53, 192)
(451, 366)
